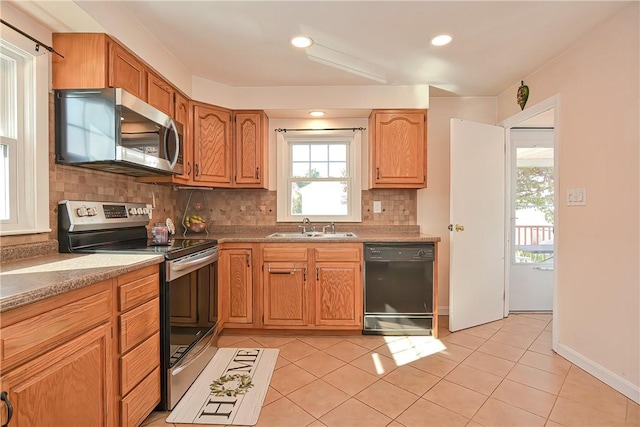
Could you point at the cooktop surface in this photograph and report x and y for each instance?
(175, 248)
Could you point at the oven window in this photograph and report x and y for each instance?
(193, 309)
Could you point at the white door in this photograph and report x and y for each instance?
(477, 190)
(532, 229)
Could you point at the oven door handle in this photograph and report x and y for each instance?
(187, 264)
(186, 363)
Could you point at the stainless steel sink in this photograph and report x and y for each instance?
(312, 234)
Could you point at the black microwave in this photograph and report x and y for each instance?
(113, 130)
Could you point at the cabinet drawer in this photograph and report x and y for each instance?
(132, 276)
(136, 364)
(138, 324)
(138, 291)
(336, 253)
(284, 254)
(140, 402)
(44, 331)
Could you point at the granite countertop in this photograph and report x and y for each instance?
(370, 234)
(29, 273)
(29, 280)
(361, 237)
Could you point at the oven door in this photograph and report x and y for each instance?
(190, 321)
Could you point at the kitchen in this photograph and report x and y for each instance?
(429, 207)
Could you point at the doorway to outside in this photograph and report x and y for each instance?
(531, 205)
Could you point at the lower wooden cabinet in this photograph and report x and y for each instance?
(58, 370)
(312, 286)
(285, 294)
(138, 354)
(338, 296)
(236, 285)
(82, 358)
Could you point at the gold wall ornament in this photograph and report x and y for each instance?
(523, 94)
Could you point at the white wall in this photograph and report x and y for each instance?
(598, 253)
(357, 98)
(433, 201)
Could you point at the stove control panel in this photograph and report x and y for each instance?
(78, 215)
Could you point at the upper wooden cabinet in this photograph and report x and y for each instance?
(212, 145)
(251, 147)
(85, 63)
(160, 94)
(126, 71)
(398, 148)
(94, 60)
(182, 114)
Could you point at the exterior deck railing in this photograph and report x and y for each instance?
(533, 234)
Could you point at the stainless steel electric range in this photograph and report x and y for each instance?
(188, 283)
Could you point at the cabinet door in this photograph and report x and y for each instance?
(84, 65)
(212, 146)
(236, 267)
(251, 142)
(160, 94)
(127, 72)
(398, 149)
(338, 299)
(68, 386)
(181, 115)
(285, 299)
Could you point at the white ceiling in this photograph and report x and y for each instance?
(246, 43)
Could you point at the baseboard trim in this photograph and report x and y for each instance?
(622, 385)
(443, 310)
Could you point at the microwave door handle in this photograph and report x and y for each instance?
(172, 128)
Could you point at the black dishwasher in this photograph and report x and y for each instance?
(398, 288)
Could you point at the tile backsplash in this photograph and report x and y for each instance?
(258, 207)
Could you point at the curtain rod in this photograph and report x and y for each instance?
(304, 130)
(38, 42)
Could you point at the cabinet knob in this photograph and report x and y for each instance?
(257, 172)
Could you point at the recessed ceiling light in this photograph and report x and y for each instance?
(441, 40)
(302, 41)
(316, 113)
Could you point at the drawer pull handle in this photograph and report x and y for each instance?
(5, 399)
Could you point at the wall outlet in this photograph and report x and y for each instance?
(377, 206)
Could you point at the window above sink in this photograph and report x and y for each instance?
(319, 176)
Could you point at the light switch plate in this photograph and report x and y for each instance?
(577, 197)
(377, 206)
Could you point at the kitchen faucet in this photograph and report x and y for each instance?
(331, 225)
(306, 221)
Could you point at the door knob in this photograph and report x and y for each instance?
(458, 227)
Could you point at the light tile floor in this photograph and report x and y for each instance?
(499, 374)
